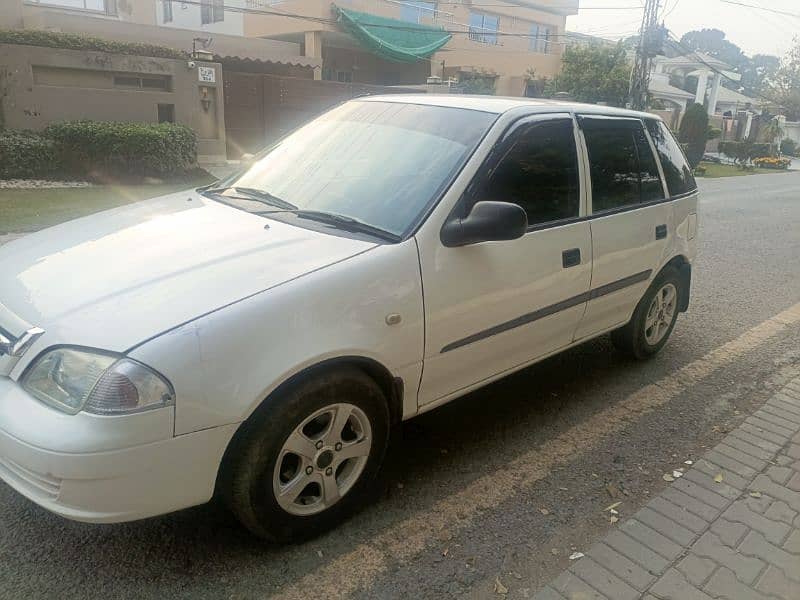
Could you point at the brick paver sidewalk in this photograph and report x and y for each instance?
(729, 528)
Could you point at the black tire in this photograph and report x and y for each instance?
(246, 479)
(631, 339)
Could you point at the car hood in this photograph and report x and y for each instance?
(116, 278)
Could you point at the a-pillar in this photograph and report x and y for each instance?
(313, 49)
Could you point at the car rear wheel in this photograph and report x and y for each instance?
(307, 459)
(654, 318)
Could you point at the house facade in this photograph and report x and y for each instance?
(506, 41)
(46, 85)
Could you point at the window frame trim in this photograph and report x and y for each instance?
(590, 193)
(500, 150)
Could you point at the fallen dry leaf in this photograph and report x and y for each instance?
(718, 477)
(611, 506)
(499, 588)
(544, 511)
(614, 519)
(667, 477)
(755, 494)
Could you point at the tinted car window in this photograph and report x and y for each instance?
(621, 163)
(673, 162)
(539, 172)
(648, 169)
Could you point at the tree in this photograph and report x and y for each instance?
(784, 86)
(713, 43)
(593, 74)
(753, 70)
(693, 132)
(772, 133)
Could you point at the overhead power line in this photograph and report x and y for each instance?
(772, 10)
(411, 27)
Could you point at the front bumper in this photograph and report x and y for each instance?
(69, 465)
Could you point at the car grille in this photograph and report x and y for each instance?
(41, 485)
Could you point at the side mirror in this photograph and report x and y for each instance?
(486, 222)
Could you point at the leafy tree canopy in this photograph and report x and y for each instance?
(593, 74)
(754, 71)
(784, 86)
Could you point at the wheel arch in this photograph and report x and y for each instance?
(681, 264)
(391, 386)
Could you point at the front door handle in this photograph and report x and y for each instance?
(571, 257)
(661, 232)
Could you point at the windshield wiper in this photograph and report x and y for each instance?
(254, 194)
(341, 221)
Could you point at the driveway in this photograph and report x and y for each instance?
(489, 495)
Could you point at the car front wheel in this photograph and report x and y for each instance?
(308, 458)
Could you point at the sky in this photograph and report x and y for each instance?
(754, 31)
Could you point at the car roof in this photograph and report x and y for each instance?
(501, 104)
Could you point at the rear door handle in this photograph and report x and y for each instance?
(571, 257)
(661, 232)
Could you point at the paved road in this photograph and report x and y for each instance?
(494, 491)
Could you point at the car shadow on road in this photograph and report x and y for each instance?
(205, 552)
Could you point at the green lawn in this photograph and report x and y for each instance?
(719, 170)
(29, 210)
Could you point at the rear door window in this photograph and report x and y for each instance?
(677, 172)
(621, 163)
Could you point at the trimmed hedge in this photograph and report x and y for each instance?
(110, 148)
(693, 132)
(27, 155)
(743, 152)
(98, 150)
(74, 41)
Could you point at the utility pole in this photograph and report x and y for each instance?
(651, 38)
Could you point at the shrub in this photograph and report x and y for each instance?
(117, 149)
(789, 146)
(694, 133)
(744, 152)
(73, 41)
(771, 162)
(27, 155)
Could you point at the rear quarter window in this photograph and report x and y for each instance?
(676, 170)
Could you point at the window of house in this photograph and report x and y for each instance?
(677, 172)
(483, 28)
(539, 172)
(540, 38)
(416, 11)
(166, 113)
(167, 11)
(344, 76)
(212, 11)
(153, 83)
(621, 163)
(108, 7)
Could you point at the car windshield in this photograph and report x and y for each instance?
(380, 163)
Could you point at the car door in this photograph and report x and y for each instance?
(630, 219)
(494, 306)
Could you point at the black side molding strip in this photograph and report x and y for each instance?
(619, 284)
(549, 310)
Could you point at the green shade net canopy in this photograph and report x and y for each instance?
(392, 39)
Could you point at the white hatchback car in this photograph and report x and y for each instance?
(260, 337)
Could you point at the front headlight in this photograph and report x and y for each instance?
(73, 380)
